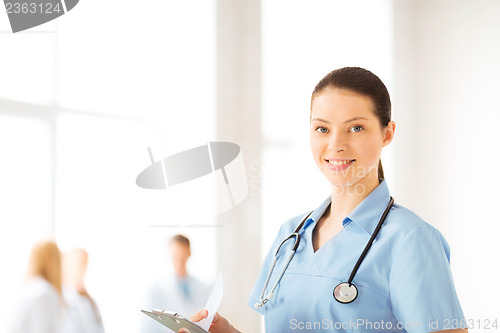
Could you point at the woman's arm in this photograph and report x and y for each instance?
(461, 330)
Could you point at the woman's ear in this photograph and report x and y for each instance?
(389, 133)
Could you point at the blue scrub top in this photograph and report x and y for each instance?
(404, 283)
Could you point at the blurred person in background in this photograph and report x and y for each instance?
(82, 308)
(180, 292)
(40, 307)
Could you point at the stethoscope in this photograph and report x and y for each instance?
(344, 292)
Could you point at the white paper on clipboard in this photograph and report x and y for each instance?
(213, 303)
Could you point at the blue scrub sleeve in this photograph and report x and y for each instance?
(422, 291)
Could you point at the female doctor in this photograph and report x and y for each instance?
(402, 283)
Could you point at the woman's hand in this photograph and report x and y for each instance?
(219, 324)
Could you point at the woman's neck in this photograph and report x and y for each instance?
(346, 198)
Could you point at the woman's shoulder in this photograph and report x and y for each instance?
(407, 227)
(36, 294)
(405, 220)
(39, 287)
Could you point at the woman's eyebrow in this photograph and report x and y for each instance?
(345, 122)
(320, 119)
(354, 119)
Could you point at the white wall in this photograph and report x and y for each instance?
(447, 74)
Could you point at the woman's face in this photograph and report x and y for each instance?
(346, 137)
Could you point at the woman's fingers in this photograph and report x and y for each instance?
(199, 316)
(195, 318)
(216, 318)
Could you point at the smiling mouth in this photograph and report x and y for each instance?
(333, 162)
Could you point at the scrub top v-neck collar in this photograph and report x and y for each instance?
(364, 216)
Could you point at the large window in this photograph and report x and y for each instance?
(81, 99)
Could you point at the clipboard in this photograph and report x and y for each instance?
(174, 321)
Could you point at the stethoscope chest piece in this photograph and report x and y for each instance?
(345, 292)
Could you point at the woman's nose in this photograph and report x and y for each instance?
(337, 142)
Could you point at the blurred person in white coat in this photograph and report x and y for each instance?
(40, 307)
(180, 292)
(82, 308)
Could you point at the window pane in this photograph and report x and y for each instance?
(27, 62)
(100, 208)
(26, 197)
(332, 34)
(27, 65)
(138, 59)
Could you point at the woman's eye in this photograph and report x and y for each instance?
(356, 129)
(321, 130)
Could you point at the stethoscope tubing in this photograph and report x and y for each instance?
(263, 300)
(370, 242)
(348, 298)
